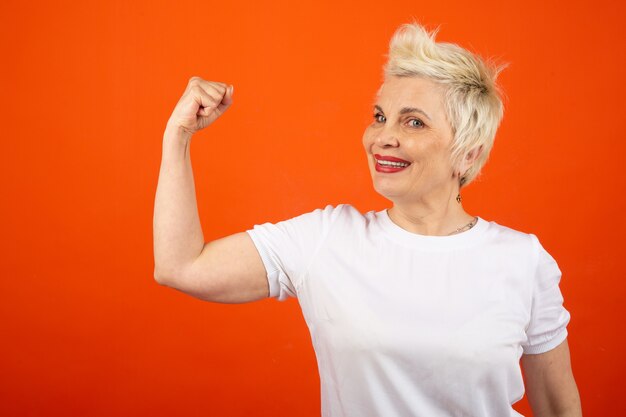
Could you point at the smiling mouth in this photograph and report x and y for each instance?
(389, 167)
(392, 164)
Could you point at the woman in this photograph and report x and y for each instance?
(418, 310)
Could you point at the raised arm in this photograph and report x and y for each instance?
(226, 270)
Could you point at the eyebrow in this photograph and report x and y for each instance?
(406, 110)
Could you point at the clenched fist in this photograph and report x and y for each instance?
(200, 105)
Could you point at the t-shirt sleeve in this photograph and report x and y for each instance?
(549, 318)
(288, 247)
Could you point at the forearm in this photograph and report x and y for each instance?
(177, 233)
(569, 407)
(574, 412)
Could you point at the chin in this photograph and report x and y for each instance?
(387, 187)
(390, 193)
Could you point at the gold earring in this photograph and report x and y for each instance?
(461, 182)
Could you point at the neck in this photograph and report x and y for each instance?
(430, 217)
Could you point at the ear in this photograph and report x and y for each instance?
(469, 159)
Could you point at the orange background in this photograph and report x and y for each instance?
(87, 88)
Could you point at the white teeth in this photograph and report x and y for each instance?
(392, 164)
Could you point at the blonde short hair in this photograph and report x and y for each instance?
(472, 97)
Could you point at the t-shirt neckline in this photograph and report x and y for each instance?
(398, 234)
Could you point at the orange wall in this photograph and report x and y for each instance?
(87, 88)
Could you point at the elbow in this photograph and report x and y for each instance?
(159, 277)
(164, 276)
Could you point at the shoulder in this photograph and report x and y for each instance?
(508, 234)
(338, 212)
(322, 218)
(340, 218)
(516, 241)
(318, 219)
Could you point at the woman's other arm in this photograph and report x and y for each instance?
(550, 383)
(225, 270)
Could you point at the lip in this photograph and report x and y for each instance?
(387, 169)
(390, 158)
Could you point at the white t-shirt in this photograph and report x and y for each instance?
(411, 325)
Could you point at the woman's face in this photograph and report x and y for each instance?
(410, 125)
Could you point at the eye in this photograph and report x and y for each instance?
(379, 118)
(416, 123)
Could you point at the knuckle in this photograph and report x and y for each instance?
(214, 88)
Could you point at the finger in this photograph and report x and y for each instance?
(198, 81)
(206, 101)
(213, 88)
(216, 91)
(227, 100)
(206, 111)
(219, 98)
(209, 98)
(208, 86)
(191, 103)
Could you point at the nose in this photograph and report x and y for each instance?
(387, 139)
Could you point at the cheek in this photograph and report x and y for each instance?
(442, 159)
(428, 150)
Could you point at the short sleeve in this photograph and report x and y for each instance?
(549, 318)
(288, 247)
